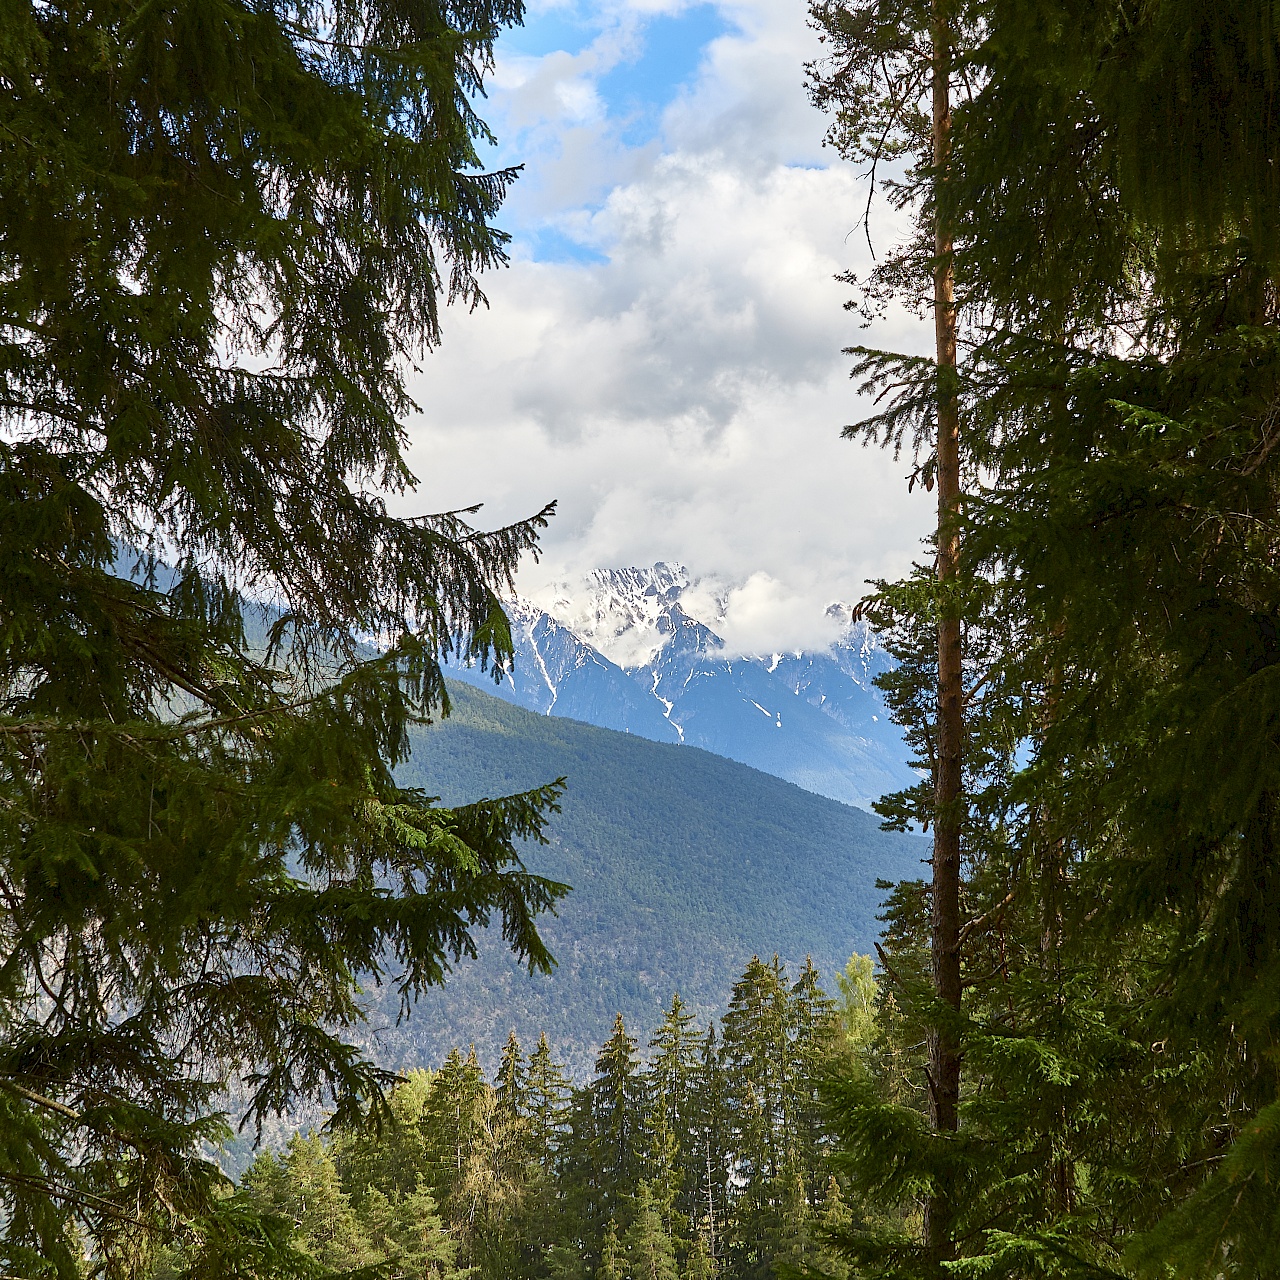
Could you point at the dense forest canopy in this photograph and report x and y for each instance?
(704, 1153)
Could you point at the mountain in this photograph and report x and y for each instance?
(624, 650)
(683, 865)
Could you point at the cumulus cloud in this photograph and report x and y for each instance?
(679, 387)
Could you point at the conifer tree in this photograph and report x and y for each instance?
(890, 81)
(225, 233)
(700, 1265)
(834, 1221)
(812, 1034)
(453, 1115)
(547, 1093)
(710, 1150)
(398, 1157)
(304, 1187)
(510, 1088)
(1149, 445)
(409, 1234)
(669, 1083)
(612, 1260)
(616, 1102)
(647, 1245)
(755, 1056)
(760, 1074)
(1121, 268)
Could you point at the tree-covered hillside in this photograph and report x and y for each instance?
(681, 864)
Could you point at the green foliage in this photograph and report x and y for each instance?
(224, 230)
(643, 1173)
(855, 1009)
(302, 1187)
(1111, 193)
(650, 1252)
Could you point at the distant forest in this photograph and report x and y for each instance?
(705, 1153)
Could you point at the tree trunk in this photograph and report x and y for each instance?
(944, 1051)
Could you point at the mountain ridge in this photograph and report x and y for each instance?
(814, 718)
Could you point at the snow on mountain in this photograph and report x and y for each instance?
(556, 672)
(623, 613)
(620, 651)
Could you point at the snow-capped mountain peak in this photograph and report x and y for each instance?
(636, 650)
(627, 614)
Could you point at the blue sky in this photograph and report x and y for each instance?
(663, 355)
(631, 65)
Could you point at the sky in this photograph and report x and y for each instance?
(663, 354)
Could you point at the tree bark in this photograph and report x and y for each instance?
(944, 1050)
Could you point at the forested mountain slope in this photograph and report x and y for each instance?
(683, 865)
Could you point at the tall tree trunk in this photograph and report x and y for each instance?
(944, 1051)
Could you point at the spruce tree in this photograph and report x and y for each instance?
(647, 1245)
(395, 1156)
(409, 1234)
(756, 1063)
(616, 1102)
(812, 1033)
(710, 1150)
(1153, 780)
(225, 234)
(759, 1072)
(671, 1156)
(700, 1265)
(456, 1122)
(510, 1087)
(547, 1092)
(303, 1186)
(612, 1260)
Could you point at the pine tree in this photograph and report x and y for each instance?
(224, 236)
(647, 1244)
(671, 1157)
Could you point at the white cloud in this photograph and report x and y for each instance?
(683, 397)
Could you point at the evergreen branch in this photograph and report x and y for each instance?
(70, 1195)
(39, 1100)
(987, 917)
